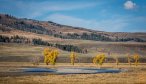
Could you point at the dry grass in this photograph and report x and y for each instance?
(12, 49)
(120, 49)
(11, 52)
(30, 35)
(134, 75)
(20, 50)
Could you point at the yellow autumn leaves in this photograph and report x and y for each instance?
(99, 59)
(72, 57)
(134, 58)
(50, 56)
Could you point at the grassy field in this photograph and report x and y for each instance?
(133, 75)
(20, 55)
(25, 53)
(115, 48)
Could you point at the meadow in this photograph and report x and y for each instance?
(14, 56)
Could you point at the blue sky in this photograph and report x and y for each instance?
(103, 15)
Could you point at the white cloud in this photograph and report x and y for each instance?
(101, 25)
(129, 5)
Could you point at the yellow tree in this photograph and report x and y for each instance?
(50, 56)
(136, 59)
(54, 56)
(46, 53)
(72, 57)
(99, 59)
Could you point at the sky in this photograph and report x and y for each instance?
(102, 15)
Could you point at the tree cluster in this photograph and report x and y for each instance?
(84, 36)
(22, 24)
(50, 56)
(60, 46)
(14, 39)
(21, 39)
(130, 39)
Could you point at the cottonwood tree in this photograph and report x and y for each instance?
(50, 56)
(72, 57)
(136, 59)
(99, 59)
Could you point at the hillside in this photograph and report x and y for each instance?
(36, 35)
(48, 28)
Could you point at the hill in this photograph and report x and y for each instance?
(30, 37)
(8, 22)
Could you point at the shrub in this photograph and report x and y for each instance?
(136, 59)
(99, 59)
(72, 57)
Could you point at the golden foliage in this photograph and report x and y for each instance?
(99, 59)
(136, 59)
(72, 57)
(50, 56)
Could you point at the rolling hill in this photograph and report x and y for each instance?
(53, 31)
(87, 43)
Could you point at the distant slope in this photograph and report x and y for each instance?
(6, 31)
(52, 29)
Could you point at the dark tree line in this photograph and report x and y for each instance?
(20, 39)
(85, 36)
(22, 24)
(14, 39)
(69, 48)
(60, 46)
(131, 39)
(96, 37)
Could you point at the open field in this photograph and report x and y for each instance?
(14, 56)
(133, 75)
(116, 48)
(11, 52)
